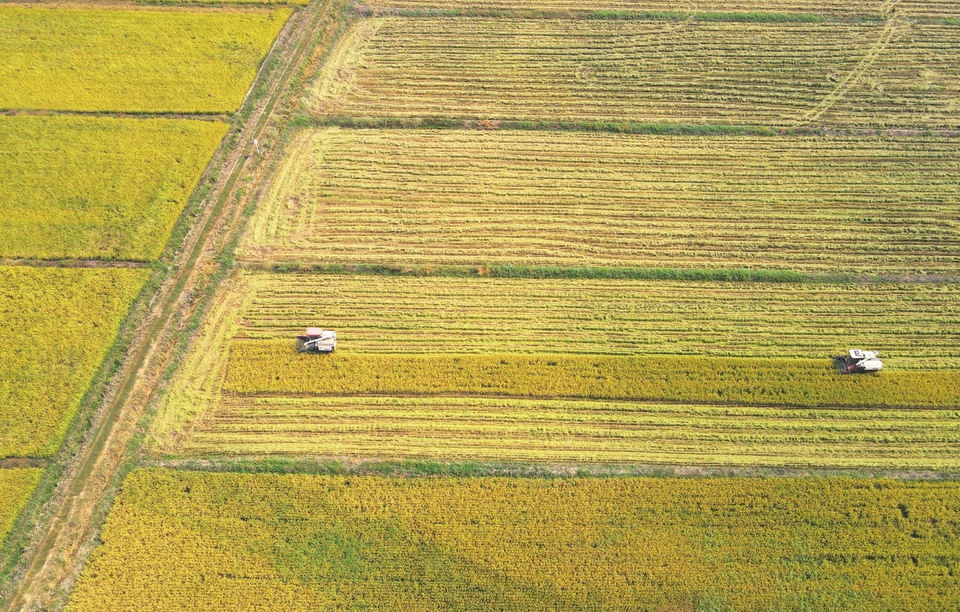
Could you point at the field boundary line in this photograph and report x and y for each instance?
(74, 263)
(85, 493)
(890, 29)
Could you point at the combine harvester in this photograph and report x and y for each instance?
(858, 362)
(317, 340)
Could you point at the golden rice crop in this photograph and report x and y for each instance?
(16, 486)
(97, 187)
(574, 431)
(578, 199)
(214, 541)
(100, 59)
(681, 71)
(58, 324)
(274, 366)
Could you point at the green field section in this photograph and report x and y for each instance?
(214, 541)
(99, 188)
(131, 60)
(568, 431)
(675, 71)
(16, 486)
(58, 324)
(839, 205)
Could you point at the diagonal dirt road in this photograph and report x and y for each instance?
(82, 496)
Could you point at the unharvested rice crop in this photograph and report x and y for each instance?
(58, 324)
(841, 205)
(137, 60)
(97, 187)
(274, 366)
(678, 71)
(547, 431)
(16, 486)
(215, 541)
(913, 324)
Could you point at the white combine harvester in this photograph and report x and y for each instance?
(317, 340)
(858, 362)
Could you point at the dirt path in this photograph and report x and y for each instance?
(83, 495)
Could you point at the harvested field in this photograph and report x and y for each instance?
(678, 71)
(58, 324)
(207, 541)
(97, 187)
(103, 59)
(840, 205)
(545, 431)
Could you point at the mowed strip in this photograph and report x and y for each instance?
(537, 431)
(99, 188)
(213, 541)
(841, 205)
(744, 8)
(677, 71)
(134, 60)
(913, 324)
(58, 324)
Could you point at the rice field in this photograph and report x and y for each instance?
(578, 431)
(425, 197)
(675, 71)
(96, 187)
(58, 324)
(214, 541)
(132, 60)
(16, 486)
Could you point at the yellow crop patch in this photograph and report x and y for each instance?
(97, 187)
(58, 324)
(835, 73)
(838, 205)
(214, 541)
(131, 60)
(16, 486)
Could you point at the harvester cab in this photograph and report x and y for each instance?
(317, 340)
(858, 362)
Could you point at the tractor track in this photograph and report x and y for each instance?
(84, 494)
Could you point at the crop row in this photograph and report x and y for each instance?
(214, 541)
(16, 486)
(544, 431)
(274, 366)
(97, 187)
(94, 59)
(913, 324)
(579, 199)
(58, 324)
(651, 71)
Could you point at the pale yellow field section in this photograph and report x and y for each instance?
(378, 317)
(839, 8)
(841, 205)
(16, 486)
(886, 72)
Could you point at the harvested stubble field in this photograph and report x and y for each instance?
(847, 205)
(214, 541)
(134, 60)
(243, 388)
(679, 71)
(16, 486)
(97, 187)
(58, 324)
(571, 431)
